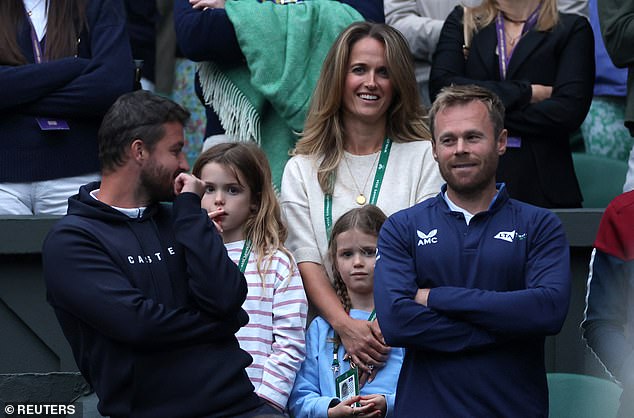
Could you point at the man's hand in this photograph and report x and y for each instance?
(540, 92)
(187, 183)
(421, 296)
(364, 345)
(207, 4)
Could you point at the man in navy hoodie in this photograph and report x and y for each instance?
(144, 291)
(470, 282)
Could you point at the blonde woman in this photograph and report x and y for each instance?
(365, 141)
(541, 64)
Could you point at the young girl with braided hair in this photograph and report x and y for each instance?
(352, 251)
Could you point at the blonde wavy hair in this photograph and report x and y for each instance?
(475, 18)
(324, 134)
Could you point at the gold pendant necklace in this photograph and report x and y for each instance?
(361, 199)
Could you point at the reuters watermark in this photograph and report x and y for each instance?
(18, 409)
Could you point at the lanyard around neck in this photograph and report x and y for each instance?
(37, 47)
(376, 185)
(504, 57)
(244, 256)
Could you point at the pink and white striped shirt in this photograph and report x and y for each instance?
(275, 334)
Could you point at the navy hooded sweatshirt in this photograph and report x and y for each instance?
(150, 307)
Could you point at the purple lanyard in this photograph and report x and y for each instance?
(37, 48)
(503, 56)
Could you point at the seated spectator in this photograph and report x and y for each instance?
(62, 64)
(541, 64)
(352, 252)
(608, 324)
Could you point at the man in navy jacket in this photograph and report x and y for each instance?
(471, 281)
(144, 291)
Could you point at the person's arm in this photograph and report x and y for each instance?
(26, 83)
(579, 7)
(616, 18)
(449, 67)
(206, 35)
(215, 282)
(422, 32)
(83, 281)
(290, 310)
(109, 73)
(609, 291)
(404, 321)
(306, 398)
(371, 10)
(606, 314)
(538, 309)
(572, 90)
(356, 335)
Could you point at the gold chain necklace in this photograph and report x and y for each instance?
(361, 199)
(30, 12)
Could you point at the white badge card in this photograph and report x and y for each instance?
(347, 385)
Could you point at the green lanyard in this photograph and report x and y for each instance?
(244, 256)
(335, 347)
(376, 185)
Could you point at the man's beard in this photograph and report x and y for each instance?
(158, 183)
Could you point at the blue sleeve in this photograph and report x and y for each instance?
(371, 10)
(306, 399)
(205, 35)
(26, 83)
(404, 322)
(98, 292)
(539, 309)
(606, 313)
(215, 282)
(108, 73)
(449, 67)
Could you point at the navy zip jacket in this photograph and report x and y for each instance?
(498, 286)
(150, 307)
(78, 90)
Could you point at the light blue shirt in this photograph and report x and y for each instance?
(315, 383)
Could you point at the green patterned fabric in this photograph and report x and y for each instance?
(285, 45)
(603, 130)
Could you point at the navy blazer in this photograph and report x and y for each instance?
(541, 171)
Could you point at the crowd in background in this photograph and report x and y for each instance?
(316, 198)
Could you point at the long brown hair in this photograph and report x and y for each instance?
(65, 21)
(323, 134)
(264, 227)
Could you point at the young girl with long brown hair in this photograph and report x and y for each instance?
(240, 199)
